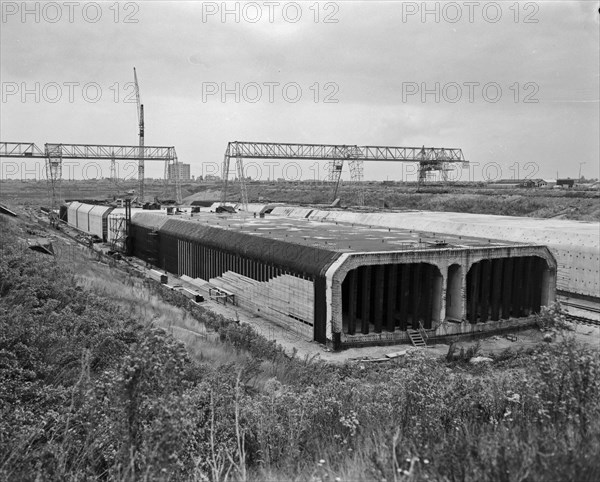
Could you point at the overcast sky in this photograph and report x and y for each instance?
(328, 72)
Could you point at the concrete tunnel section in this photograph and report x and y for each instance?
(351, 285)
(399, 296)
(376, 298)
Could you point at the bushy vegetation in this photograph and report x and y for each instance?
(88, 392)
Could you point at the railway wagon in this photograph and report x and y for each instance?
(89, 218)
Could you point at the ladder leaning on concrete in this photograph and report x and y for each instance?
(416, 338)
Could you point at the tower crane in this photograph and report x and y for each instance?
(140, 112)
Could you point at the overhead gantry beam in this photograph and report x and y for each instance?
(88, 151)
(429, 158)
(20, 149)
(269, 150)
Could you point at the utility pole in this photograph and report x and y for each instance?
(580, 164)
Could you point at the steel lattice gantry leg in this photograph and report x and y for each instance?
(243, 188)
(172, 179)
(334, 175)
(178, 174)
(54, 177)
(356, 175)
(166, 180)
(334, 170)
(113, 170)
(225, 176)
(444, 168)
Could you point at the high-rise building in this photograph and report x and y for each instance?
(183, 171)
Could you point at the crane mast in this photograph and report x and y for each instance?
(140, 112)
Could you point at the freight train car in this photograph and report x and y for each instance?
(105, 222)
(91, 219)
(98, 221)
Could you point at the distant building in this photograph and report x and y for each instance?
(179, 170)
(516, 183)
(565, 182)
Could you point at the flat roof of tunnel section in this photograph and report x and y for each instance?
(339, 237)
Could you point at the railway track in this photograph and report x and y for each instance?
(589, 311)
(581, 320)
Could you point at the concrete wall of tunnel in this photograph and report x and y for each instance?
(454, 293)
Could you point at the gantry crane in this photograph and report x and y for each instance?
(429, 159)
(140, 112)
(55, 153)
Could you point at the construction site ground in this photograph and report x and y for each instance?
(292, 342)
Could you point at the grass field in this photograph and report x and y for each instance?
(544, 203)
